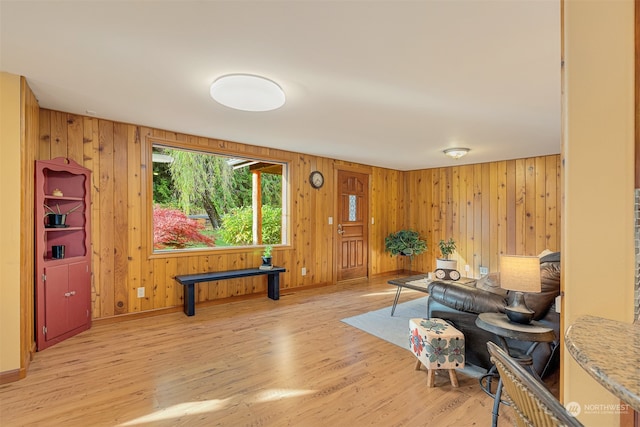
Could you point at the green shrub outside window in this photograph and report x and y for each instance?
(204, 200)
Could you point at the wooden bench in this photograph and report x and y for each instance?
(189, 281)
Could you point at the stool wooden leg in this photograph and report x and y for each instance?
(453, 377)
(431, 377)
(418, 365)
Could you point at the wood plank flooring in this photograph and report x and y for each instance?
(254, 362)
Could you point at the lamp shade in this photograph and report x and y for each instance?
(520, 273)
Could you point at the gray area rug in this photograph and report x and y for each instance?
(392, 329)
(395, 330)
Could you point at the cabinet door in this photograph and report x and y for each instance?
(56, 300)
(80, 294)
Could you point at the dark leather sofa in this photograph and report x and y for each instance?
(460, 305)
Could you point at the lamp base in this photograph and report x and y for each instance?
(518, 312)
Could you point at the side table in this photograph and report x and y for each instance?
(500, 325)
(419, 283)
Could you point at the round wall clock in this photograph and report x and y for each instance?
(316, 179)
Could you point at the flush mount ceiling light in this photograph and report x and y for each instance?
(456, 153)
(247, 92)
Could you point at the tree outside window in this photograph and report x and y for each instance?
(206, 200)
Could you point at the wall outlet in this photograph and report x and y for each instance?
(330, 220)
(467, 268)
(484, 271)
(304, 271)
(141, 292)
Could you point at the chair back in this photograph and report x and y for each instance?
(532, 403)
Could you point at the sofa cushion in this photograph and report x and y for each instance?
(544, 253)
(465, 298)
(551, 257)
(491, 283)
(540, 302)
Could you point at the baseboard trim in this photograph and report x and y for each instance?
(12, 376)
(389, 273)
(133, 316)
(161, 311)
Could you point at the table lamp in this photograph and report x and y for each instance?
(519, 274)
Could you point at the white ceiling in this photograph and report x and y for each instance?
(389, 83)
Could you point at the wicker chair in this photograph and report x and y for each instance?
(532, 403)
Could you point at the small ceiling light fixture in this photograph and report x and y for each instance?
(456, 153)
(247, 92)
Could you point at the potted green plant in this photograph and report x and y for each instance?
(56, 217)
(266, 257)
(405, 242)
(447, 247)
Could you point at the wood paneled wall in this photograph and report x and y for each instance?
(388, 213)
(507, 207)
(116, 153)
(501, 207)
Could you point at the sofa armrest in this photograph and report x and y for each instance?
(466, 298)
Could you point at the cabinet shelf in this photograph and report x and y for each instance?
(66, 260)
(54, 229)
(50, 197)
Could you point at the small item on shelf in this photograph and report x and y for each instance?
(57, 220)
(57, 192)
(266, 267)
(57, 251)
(447, 274)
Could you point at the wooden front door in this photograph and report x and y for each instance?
(352, 245)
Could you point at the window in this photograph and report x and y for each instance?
(203, 200)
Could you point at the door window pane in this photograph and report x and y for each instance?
(352, 207)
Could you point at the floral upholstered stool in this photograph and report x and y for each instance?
(437, 345)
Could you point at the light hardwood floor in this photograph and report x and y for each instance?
(254, 362)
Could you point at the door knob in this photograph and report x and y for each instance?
(340, 230)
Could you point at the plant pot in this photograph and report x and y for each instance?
(266, 260)
(446, 264)
(57, 220)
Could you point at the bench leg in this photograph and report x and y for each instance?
(273, 286)
(418, 365)
(189, 299)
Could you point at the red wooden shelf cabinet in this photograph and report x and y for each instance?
(63, 261)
